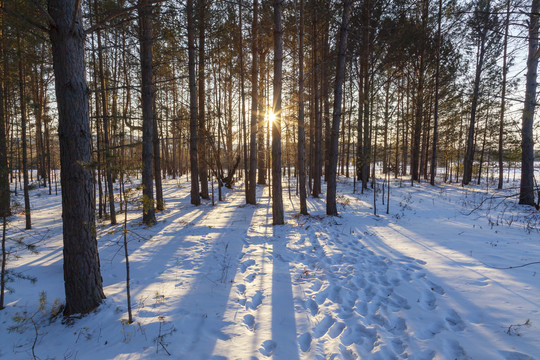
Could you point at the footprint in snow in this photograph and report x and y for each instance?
(334, 293)
(250, 278)
(405, 276)
(351, 336)
(361, 307)
(249, 321)
(397, 303)
(427, 300)
(397, 325)
(359, 281)
(398, 346)
(246, 264)
(431, 330)
(241, 288)
(268, 347)
(336, 329)
(361, 335)
(322, 327)
(312, 306)
(346, 354)
(255, 301)
(434, 287)
(454, 351)
(305, 341)
(454, 321)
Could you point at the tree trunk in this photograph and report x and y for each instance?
(436, 111)
(419, 116)
(526, 188)
(326, 98)
(252, 191)
(5, 208)
(195, 196)
(317, 150)
(277, 201)
(469, 155)
(23, 136)
(243, 100)
(366, 141)
(146, 40)
(202, 141)
(331, 205)
(301, 125)
(82, 277)
(503, 97)
(104, 104)
(160, 204)
(261, 178)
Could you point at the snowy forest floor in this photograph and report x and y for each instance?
(432, 279)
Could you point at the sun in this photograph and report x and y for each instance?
(271, 116)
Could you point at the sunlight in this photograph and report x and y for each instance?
(271, 116)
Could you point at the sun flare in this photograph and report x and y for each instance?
(271, 116)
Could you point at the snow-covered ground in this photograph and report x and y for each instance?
(430, 280)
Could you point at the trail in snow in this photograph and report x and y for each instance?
(223, 283)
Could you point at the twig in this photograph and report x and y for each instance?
(510, 267)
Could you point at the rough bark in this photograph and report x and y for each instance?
(82, 278)
(436, 110)
(366, 139)
(526, 188)
(243, 106)
(202, 141)
(146, 40)
(22, 85)
(195, 197)
(5, 208)
(317, 144)
(301, 124)
(252, 190)
(503, 96)
(277, 200)
(261, 177)
(331, 204)
(419, 116)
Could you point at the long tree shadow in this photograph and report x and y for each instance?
(199, 270)
(284, 330)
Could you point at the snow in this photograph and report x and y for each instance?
(429, 280)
